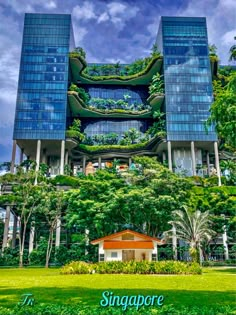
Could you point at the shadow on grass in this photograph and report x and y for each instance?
(227, 270)
(88, 296)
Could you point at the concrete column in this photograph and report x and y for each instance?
(86, 240)
(21, 155)
(163, 156)
(217, 163)
(6, 227)
(99, 162)
(62, 157)
(38, 155)
(66, 157)
(225, 239)
(44, 156)
(193, 158)
(58, 232)
(13, 157)
(13, 244)
(130, 161)
(84, 163)
(31, 239)
(169, 155)
(208, 163)
(174, 243)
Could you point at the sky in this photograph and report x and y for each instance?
(109, 31)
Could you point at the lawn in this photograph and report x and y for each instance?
(215, 286)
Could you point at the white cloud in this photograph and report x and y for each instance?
(118, 14)
(50, 5)
(221, 17)
(116, 8)
(228, 37)
(84, 12)
(103, 17)
(30, 6)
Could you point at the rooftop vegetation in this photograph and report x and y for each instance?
(78, 66)
(125, 145)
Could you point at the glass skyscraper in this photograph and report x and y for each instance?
(43, 81)
(115, 101)
(187, 75)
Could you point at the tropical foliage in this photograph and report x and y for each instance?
(223, 111)
(193, 228)
(132, 267)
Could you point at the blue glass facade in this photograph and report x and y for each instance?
(132, 97)
(187, 74)
(43, 79)
(94, 127)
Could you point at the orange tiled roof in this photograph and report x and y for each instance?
(111, 236)
(128, 245)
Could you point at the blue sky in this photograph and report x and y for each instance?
(109, 31)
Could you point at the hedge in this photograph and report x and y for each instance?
(132, 267)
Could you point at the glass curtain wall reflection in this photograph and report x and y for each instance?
(187, 73)
(43, 80)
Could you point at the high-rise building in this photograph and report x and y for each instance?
(41, 106)
(114, 103)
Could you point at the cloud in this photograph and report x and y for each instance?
(228, 37)
(221, 17)
(118, 14)
(84, 12)
(103, 17)
(30, 6)
(116, 8)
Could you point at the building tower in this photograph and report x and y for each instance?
(188, 91)
(41, 107)
(117, 101)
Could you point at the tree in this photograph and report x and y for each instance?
(232, 52)
(223, 111)
(51, 207)
(74, 130)
(80, 51)
(26, 197)
(212, 50)
(131, 136)
(155, 50)
(193, 228)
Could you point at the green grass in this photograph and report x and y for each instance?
(214, 287)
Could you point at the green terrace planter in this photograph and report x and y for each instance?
(156, 100)
(122, 148)
(78, 108)
(78, 64)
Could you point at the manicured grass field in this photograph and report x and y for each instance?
(213, 287)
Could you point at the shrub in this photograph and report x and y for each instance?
(76, 267)
(64, 180)
(133, 267)
(10, 257)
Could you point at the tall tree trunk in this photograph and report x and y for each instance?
(22, 246)
(49, 248)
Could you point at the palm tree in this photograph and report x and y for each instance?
(232, 52)
(193, 228)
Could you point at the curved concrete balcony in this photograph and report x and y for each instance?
(147, 148)
(77, 65)
(79, 109)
